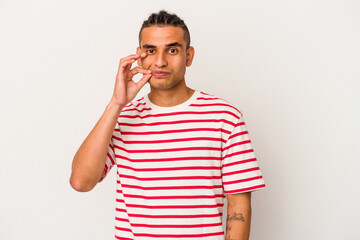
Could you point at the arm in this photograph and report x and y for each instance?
(89, 161)
(238, 216)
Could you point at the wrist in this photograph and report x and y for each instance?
(115, 106)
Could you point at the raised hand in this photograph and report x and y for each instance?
(126, 89)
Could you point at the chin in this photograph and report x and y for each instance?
(160, 86)
(156, 83)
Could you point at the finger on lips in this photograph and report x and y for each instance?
(136, 70)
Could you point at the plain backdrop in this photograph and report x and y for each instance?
(292, 67)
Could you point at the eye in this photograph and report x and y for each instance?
(150, 51)
(173, 50)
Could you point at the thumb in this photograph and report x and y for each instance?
(143, 81)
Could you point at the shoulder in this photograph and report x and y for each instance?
(217, 103)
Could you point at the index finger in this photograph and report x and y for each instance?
(133, 57)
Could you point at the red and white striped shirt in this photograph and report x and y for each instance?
(175, 165)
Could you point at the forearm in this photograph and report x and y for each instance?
(238, 221)
(89, 160)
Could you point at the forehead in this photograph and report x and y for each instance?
(158, 36)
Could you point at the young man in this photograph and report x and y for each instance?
(178, 151)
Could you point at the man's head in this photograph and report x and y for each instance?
(168, 51)
(162, 19)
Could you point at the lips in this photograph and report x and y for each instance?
(159, 74)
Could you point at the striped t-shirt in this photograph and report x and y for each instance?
(175, 166)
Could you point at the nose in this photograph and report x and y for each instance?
(160, 60)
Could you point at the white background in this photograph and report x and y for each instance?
(292, 67)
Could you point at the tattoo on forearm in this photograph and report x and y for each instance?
(236, 216)
(229, 238)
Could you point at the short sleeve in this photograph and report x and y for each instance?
(240, 168)
(110, 159)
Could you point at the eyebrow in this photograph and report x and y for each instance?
(174, 44)
(148, 46)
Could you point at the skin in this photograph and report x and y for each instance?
(238, 216)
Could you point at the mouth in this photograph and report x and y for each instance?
(160, 74)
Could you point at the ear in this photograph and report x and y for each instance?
(138, 51)
(189, 56)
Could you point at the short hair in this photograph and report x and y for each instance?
(162, 19)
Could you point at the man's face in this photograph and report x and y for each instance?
(167, 56)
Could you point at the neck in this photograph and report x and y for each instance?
(170, 97)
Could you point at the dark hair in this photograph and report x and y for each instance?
(162, 19)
